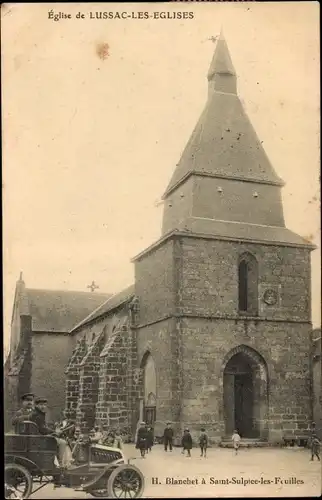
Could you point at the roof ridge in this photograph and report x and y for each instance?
(92, 314)
(54, 290)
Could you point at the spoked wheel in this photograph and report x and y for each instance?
(18, 482)
(125, 482)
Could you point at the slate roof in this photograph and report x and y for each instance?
(224, 142)
(242, 231)
(59, 311)
(112, 303)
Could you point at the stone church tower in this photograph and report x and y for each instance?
(216, 330)
(225, 293)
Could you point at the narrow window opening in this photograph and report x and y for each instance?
(248, 284)
(243, 285)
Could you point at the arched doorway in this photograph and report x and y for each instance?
(149, 389)
(245, 393)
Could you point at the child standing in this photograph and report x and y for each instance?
(118, 441)
(187, 442)
(315, 447)
(168, 437)
(236, 441)
(203, 443)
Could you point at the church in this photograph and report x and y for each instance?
(216, 329)
(40, 344)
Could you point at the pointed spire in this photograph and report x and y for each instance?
(221, 62)
(224, 143)
(20, 277)
(222, 75)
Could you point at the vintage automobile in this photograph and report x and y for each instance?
(102, 471)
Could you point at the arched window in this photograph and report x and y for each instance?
(149, 389)
(248, 284)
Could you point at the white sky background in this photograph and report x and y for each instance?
(90, 145)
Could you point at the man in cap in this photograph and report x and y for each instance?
(27, 405)
(168, 437)
(38, 416)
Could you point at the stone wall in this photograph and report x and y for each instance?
(72, 378)
(189, 322)
(54, 350)
(161, 340)
(154, 283)
(202, 280)
(285, 349)
(118, 383)
(209, 278)
(89, 369)
(316, 381)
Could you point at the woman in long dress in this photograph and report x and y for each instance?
(141, 439)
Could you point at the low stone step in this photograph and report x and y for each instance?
(244, 440)
(245, 443)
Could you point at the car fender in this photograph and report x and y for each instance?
(105, 471)
(25, 462)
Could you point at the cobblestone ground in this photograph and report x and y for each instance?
(278, 472)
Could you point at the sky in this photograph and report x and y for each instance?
(90, 143)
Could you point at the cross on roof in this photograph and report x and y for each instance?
(92, 286)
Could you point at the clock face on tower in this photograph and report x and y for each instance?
(270, 297)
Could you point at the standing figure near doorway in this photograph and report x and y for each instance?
(236, 441)
(168, 437)
(141, 439)
(150, 439)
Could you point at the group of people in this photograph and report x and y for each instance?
(108, 438)
(145, 439)
(70, 440)
(186, 441)
(72, 445)
(34, 410)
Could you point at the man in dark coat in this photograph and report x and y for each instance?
(187, 442)
(168, 437)
(38, 416)
(24, 414)
(150, 438)
(141, 439)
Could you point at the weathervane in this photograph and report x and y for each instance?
(92, 286)
(214, 39)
